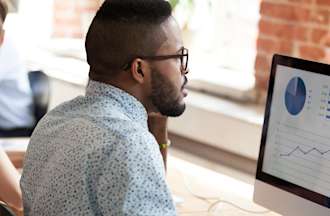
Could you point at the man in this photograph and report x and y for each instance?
(94, 155)
(15, 92)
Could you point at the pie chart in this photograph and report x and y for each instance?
(295, 96)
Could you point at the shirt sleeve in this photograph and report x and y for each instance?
(133, 180)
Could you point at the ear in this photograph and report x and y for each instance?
(138, 70)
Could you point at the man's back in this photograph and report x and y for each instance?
(95, 156)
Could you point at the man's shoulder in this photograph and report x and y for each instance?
(79, 115)
(78, 121)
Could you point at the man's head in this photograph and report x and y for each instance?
(3, 14)
(136, 45)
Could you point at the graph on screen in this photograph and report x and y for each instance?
(301, 157)
(300, 149)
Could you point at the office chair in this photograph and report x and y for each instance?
(39, 83)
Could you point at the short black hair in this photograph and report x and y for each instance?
(121, 31)
(3, 10)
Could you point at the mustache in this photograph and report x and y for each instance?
(184, 82)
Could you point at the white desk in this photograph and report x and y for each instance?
(14, 144)
(184, 176)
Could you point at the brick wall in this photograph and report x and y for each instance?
(298, 28)
(72, 17)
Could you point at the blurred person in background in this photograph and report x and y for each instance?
(15, 92)
(10, 191)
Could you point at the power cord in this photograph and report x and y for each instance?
(218, 200)
(236, 206)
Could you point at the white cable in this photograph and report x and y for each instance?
(218, 201)
(236, 206)
(204, 198)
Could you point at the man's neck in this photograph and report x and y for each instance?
(128, 85)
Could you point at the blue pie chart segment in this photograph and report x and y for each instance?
(295, 96)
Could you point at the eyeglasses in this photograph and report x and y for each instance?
(183, 59)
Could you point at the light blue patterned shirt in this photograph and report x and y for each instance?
(94, 155)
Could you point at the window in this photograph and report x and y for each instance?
(32, 23)
(221, 35)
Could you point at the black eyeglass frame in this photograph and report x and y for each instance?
(165, 57)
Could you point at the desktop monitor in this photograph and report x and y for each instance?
(293, 171)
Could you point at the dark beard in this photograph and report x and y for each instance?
(164, 96)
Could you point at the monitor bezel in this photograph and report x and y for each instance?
(310, 66)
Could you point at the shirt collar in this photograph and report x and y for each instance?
(131, 107)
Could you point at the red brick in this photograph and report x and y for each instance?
(86, 9)
(67, 33)
(274, 46)
(284, 11)
(283, 31)
(73, 21)
(301, 1)
(65, 14)
(311, 52)
(323, 2)
(300, 33)
(273, 29)
(326, 41)
(319, 35)
(262, 63)
(68, 15)
(60, 5)
(262, 78)
(320, 16)
(87, 6)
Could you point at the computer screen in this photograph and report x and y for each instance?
(295, 146)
